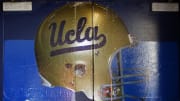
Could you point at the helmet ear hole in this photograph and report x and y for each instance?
(80, 69)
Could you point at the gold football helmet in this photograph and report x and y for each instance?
(75, 45)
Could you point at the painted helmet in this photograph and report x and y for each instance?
(74, 48)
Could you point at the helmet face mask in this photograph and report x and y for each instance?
(114, 91)
(75, 46)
